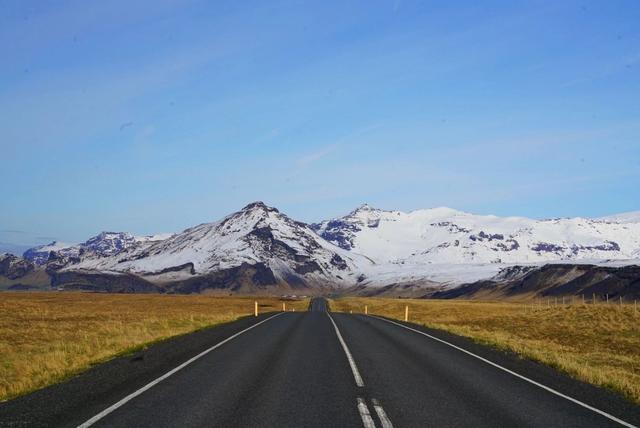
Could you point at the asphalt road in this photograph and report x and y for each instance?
(319, 369)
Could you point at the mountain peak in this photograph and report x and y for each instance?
(364, 208)
(107, 233)
(259, 206)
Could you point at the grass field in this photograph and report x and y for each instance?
(599, 344)
(46, 337)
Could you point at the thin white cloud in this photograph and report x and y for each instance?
(342, 141)
(313, 157)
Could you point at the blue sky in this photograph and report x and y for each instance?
(152, 116)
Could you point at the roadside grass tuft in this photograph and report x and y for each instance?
(599, 344)
(48, 337)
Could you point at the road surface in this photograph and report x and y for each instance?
(320, 369)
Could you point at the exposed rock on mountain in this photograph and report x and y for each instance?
(40, 254)
(369, 251)
(80, 280)
(344, 231)
(446, 236)
(554, 280)
(256, 246)
(13, 267)
(104, 244)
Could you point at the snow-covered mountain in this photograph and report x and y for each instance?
(40, 254)
(258, 248)
(13, 267)
(447, 236)
(286, 251)
(628, 217)
(104, 244)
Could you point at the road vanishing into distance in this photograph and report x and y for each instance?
(320, 369)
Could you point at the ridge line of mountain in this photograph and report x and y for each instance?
(258, 248)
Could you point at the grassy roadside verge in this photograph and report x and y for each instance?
(47, 337)
(599, 344)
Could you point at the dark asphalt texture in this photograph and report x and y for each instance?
(291, 371)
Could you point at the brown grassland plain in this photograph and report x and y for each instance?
(598, 343)
(47, 337)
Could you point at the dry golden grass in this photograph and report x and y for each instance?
(46, 337)
(599, 344)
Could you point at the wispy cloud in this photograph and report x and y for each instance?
(310, 158)
(70, 105)
(342, 141)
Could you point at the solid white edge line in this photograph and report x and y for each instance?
(382, 415)
(365, 415)
(526, 379)
(151, 384)
(352, 362)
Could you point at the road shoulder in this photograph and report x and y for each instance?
(601, 398)
(84, 395)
